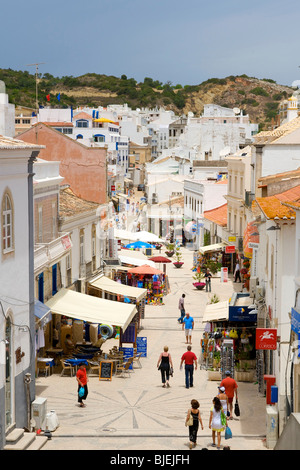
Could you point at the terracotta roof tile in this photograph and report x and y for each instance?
(217, 215)
(70, 204)
(274, 207)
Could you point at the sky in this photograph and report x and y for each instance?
(183, 42)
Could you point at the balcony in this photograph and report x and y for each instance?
(47, 254)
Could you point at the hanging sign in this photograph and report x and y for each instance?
(266, 338)
(230, 249)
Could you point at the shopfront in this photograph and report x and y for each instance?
(231, 321)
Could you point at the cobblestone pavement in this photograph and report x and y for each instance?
(136, 413)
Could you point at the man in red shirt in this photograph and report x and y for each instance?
(82, 379)
(230, 389)
(189, 358)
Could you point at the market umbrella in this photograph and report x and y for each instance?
(160, 259)
(139, 244)
(144, 269)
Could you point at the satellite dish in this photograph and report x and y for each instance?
(225, 151)
(236, 110)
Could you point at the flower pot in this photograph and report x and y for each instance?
(178, 264)
(199, 285)
(169, 253)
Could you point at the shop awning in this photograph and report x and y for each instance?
(135, 261)
(91, 309)
(216, 312)
(208, 248)
(113, 287)
(42, 312)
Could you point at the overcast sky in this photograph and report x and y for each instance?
(183, 42)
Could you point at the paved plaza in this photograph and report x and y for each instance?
(135, 412)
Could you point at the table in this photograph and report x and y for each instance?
(55, 352)
(47, 361)
(75, 362)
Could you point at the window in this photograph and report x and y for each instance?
(81, 247)
(7, 223)
(82, 123)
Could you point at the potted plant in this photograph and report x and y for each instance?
(178, 263)
(199, 284)
(170, 250)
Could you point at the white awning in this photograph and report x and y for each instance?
(216, 247)
(91, 309)
(216, 312)
(113, 287)
(135, 261)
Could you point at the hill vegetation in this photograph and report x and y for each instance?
(259, 98)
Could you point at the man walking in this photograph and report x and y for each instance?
(181, 308)
(237, 273)
(230, 389)
(208, 276)
(189, 358)
(188, 326)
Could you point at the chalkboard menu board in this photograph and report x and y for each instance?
(105, 370)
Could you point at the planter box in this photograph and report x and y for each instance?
(214, 375)
(241, 376)
(169, 253)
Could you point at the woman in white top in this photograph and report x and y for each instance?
(215, 423)
(223, 399)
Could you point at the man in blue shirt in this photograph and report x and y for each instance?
(188, 326)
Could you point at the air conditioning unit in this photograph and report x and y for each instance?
(259, 292)
(39, 413)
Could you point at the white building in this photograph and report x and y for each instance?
(17, 332)
(239, 196)
(275, 151)
(7, 113)
(218, 132)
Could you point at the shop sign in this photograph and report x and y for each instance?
(141, 345)
(241, 314)
(295, 321)
(224, 274)
(232, 239)
(113, 187)
(266, 338)
(230, 249)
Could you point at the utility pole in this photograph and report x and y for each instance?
(36, 83)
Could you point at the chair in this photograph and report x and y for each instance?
(94, 367)
(66, 366)
(123, 369)
(43, 366)
(136, 359)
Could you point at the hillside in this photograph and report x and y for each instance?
(257, 97)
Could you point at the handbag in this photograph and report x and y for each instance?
(223, 418)
(190, 421)
(171, 371)
(237, 409)
(228, 433)
(81, 392)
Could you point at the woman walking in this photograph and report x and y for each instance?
(164, 364)
(215, 422)
(194, 412)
